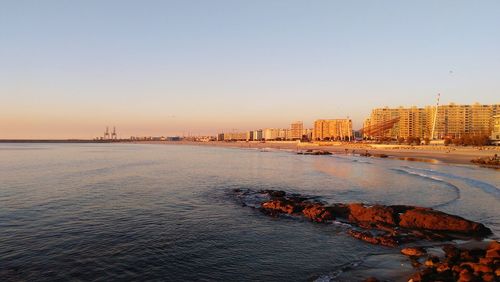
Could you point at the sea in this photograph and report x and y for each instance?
(155, 212)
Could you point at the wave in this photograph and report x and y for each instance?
(455, 189)
(332, 276)
(361, 162)
(485, 187)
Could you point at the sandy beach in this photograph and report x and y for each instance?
(425, 153)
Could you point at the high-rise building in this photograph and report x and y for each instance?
(270, 134)
(451, 121)
(495, 134)
(332, 129)
(250, 136)
(296, 130)
(257, 135)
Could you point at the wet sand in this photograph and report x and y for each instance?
(450, 154)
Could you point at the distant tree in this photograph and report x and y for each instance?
(447, 141)
(427, 140)
(471, 140)
(401, 140)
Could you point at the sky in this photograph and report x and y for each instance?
(68, 69)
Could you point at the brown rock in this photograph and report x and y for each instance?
(280, 206)
(431, 262)
(429, 219)
(442, 267)
(317, 213)
(339, 210)
(486, 260)
(451, 251)
(465, 276)
(494, 245)
(489, 277)
(493, 253)
(376, 240)
(477, 267)
(413, 252)
(365, 236)
(466, 255)
(372, 214)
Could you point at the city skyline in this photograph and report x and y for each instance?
(173, 68)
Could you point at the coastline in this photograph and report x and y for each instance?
(433, 154)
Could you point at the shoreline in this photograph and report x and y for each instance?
(431, 154)
(422, 153)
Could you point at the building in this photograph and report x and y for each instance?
(307, 134)
(332, 129)
(296, 130)
(257, 135)
(270, 134)
(382, 123)
(249, 136)
(232, 136)
(495, 134)
(450, 121)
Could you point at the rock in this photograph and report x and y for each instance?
(339, 210)
(493, 253)
(494, 245)
(432, 261)
(465, 276)
(279, 206)
(318, 213)
(376, 240)
(372, 214)
(413, 252)
(477, 267)
(489, 277)
(442, 267)
(429, 219)
(451, 251)
(486, 260)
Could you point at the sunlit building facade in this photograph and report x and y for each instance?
(332, 129)
(296, 130)
(451, 121)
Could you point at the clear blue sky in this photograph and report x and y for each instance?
(69, 68)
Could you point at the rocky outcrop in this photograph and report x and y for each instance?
(429, 219)
(318, 213)
(383, 225)
(280, 206)
(385, 240)
(462, 264)
(314, 152)
(394, 225)
(493, 162)
(372, 214)
(413, 252)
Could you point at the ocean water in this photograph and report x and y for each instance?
(106, 212)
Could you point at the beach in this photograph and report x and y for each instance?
(424, 153)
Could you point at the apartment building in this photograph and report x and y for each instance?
(332, 129)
